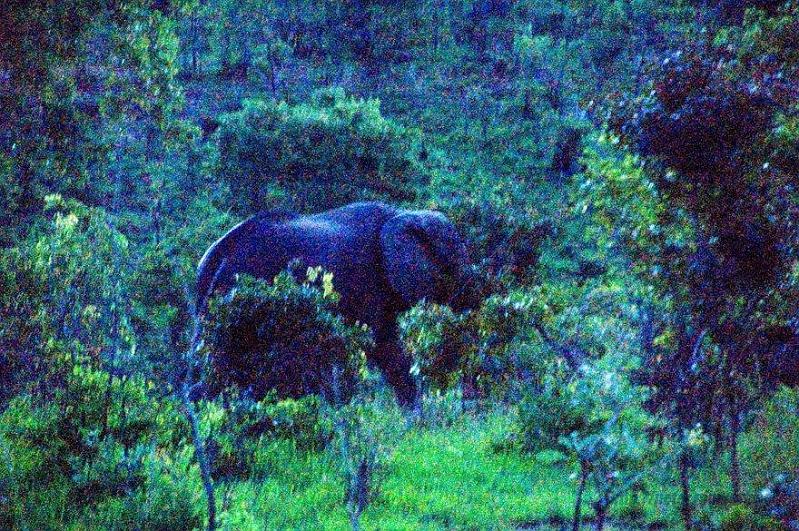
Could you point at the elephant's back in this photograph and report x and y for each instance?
(344, 241)
(217, 263)
(338, 242)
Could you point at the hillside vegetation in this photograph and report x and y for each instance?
(625, 173)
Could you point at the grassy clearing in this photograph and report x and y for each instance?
(440, 478)
(453, 478)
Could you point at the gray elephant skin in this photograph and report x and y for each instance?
(383, 259)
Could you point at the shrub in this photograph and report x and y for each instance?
(780, 499)
(367, 431)
(438, 339)
(169, 498)
(551, 412)
(473, 347)
(594, 416)
(282, 336)
(31, 451)
(740, 517)
(302, 421)
(76, 449)
(237, 432)
(712, 121)
(21, 289)
(505, 241)
(334, 150)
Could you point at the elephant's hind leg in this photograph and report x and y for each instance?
(396, 367)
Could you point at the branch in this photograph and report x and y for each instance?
(186, 389)
(575, 357)
(695, 351)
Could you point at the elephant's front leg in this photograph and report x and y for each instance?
(396, 366)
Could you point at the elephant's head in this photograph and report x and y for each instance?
(426, 258)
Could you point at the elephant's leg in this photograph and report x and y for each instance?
(396, 366)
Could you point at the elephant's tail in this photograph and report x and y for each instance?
(214, 260)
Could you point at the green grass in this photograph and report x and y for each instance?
(441, 478)
(437, 478)
(452, 477)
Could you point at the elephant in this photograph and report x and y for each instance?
(384, 260)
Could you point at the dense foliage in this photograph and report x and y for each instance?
(329, 152)
(625, 173)
(283, 337)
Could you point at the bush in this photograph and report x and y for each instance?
(367, 432)
(169, 498)
(283, 336)
(237, 432)
(75, 449)
(712, 120)
(505, 241)
(780, 499)
(302, 421)
(21, 289)
(732, 11)
(698, 121)
(546, 415)
(334, 150)
(32, 455)
(473, 347)
(740, 517)
(593, 416)
(439, 340)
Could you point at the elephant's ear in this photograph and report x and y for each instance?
(411, 255)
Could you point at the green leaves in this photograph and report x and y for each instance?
(283, 336)
(329, 151)
(440, 341)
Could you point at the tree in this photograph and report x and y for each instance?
(323, 154)
(367, 430)
(41, 45)
(698, 221)
(593, 416)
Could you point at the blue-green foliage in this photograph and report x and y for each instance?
(477, 347)
(740, 517)
(329, 151)
(239, 432)
(78, 446)
(157, 122)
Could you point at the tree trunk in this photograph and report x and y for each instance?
(685, 487)
(202, 460)
(718, 439)
(191, 415)
(600, 514)
(194, 45)
(107, 403)
(355, 521)
(111, 368)
(435, 38)
(344, 450)
(578, 504)
(735, 464)
(116, 308)
(735, 427)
